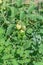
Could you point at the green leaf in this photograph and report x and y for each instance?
(1, 48)
(31, 7)
(24, 62)
(27, 44)
(7, 56)
(9, 29)
(2, 31)
(7, 49)
(19, 2)
(41, 48)
(14, 12)
(41, 31)
(22, 15)
(29, 30)
(35, 17)
(14, 62)
(38, 63)
(20, 51)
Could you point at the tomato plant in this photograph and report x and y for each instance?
(21, 33)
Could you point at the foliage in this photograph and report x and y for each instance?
(21, 33)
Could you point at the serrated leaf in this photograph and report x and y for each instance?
(9, 29)
(38, 63)
(30, 30)
(22, 15)
(41, 31)
(7, 56)
(14, 62)
(20, 51)
(41, 48)
(19, 2)
(2, 31)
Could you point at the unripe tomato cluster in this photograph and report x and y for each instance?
(20, 27)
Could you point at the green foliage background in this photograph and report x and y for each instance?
(16, 47)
